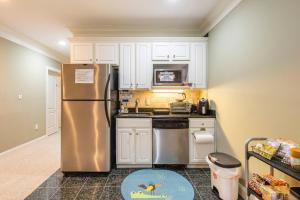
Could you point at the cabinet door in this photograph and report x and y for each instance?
(197, 70)
(82, 53)
(127, 66)
(180, 51)
(143, 67)
(125, 146)
(143, 149)
(198, 152)
(107, 53)
(161, 51)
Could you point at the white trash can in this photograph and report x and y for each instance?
(225, 174)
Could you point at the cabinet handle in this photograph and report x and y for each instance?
(136, 84)
(168, 56)
(202, 129)
(96, 59)
(130, 133)
(91, 59)
(136, 134)
(130, 85)
(174, 56)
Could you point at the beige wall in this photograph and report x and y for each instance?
(22, 71)
(254, 73)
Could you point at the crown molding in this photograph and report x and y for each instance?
(217, 15)
(31, 44)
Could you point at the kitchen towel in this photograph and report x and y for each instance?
(202, 137)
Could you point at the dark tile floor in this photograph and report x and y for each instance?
(86, 186)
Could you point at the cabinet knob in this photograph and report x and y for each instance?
(130, 133)
(130, 85)
(91, 59)
(136, 134)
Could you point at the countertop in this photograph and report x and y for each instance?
(151, 115)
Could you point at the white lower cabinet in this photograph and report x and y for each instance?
(143, 146)
(134, 142)
(125, 145)
(199, 151)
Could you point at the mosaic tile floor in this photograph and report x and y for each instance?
(86, 186)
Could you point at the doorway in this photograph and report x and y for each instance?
(53, 102)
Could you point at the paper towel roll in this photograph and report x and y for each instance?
(203, 138)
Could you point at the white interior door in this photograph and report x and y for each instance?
(52, 104)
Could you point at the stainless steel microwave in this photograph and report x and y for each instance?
(170, 74)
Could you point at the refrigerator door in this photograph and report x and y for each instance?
(84, 82)
(85, 137)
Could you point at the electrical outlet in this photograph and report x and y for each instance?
(147, 102)
(36, 127)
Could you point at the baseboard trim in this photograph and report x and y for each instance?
(242, 191)
(197, 166)
(133, 166)
(22, 145)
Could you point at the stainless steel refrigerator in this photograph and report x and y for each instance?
(89, 100)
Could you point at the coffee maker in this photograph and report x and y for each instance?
(203, 107)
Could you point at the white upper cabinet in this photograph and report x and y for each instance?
(82, 53)
(164, 51)
(198, 65)
(127, 66)
(107, 53)
(161, 51)
(181, 51)
(143, 71)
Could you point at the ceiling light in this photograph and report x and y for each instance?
(62, 43)
(172, 1)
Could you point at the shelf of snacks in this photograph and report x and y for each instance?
(279, 154)
(277, 164)
(268, 187)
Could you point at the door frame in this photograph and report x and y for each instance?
(58, 72)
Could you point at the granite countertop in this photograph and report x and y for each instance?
(149, 114)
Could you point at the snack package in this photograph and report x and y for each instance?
(271, 180)
(255, 183)
(271, 193)
(284, 150)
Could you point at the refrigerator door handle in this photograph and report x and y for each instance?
(106, 100)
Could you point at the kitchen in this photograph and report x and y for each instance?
(172, 99)
(179, 79)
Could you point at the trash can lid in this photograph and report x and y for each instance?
(224, 160)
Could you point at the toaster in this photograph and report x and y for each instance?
(180, 107)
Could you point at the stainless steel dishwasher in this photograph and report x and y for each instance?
(170, 141)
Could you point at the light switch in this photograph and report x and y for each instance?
(36, 127)
(20, 96)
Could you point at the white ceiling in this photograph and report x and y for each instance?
(51, 21)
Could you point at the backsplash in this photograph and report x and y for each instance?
(152, 99)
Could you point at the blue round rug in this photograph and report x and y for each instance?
(156, 184)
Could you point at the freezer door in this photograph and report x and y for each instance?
(84, 82)
(85, 138)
